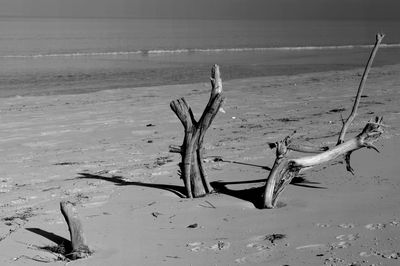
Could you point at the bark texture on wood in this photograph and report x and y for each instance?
(284, 169)
(192, 170)
(78, 242)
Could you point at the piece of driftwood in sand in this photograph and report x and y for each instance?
(78, 242)
(192, 170)
(284, 169)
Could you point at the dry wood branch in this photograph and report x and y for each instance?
(284, 170)
(379, 38)
(192, 169)
(78, 243)
(306, 148)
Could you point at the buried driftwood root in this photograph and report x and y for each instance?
(79, 249)
(284, 169)
(192, 170)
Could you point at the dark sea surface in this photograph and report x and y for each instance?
(42, 56)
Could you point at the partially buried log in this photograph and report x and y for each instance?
(79, 249)
(284, 169)
(192, 170)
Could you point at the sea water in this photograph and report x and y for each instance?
(41, 56)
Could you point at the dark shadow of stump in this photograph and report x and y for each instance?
(59, 240)
(249, 194)
(254, 194)
(119, 181)
(301, 181)
(63, 246)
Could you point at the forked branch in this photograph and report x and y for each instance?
(192, 170)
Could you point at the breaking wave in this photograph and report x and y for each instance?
(199, 50)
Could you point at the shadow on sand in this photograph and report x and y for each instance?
(59, 240)
(242, 163)
(119, 181)
(254, 194)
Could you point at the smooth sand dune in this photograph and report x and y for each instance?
(108, 152)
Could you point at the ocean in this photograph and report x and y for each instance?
(43, 56)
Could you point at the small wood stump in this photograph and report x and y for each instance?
(78, 243)
(192, 170)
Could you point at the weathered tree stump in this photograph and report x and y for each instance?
(284, 169)
(192, 170)
(79, 249)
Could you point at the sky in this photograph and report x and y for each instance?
(206, 9)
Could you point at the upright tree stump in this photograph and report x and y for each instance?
(79, 249)
(192, 170)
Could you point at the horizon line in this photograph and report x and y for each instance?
(195, 18)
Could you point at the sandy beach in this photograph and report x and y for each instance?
(107, 151)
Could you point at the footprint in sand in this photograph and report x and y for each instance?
(200, 246)
(264, 244)
(346, 226)
(323, 225)
(257, 246)
(344, 240)
(378, 226)
(350, 237)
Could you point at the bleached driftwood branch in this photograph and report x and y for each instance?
(192, 170)
(284, 169)
(78, 242)
(379, 38)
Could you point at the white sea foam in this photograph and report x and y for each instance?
(201, 50)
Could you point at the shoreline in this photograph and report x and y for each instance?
(76, 75)
(247, 74)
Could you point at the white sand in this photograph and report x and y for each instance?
(108, 152)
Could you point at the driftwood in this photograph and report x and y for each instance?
(192, 170)
(353, 113)
(379, 38)
(78, 242)
(284, 169)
